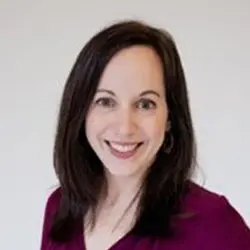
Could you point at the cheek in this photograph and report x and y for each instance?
(94, 125)
(88, 131)
(156, 128)
(91, 126)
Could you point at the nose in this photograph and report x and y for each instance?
(126, 123)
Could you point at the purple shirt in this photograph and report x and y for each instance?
(216, 225)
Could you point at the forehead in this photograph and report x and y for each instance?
(133, 70)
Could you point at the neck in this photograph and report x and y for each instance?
(122, 190)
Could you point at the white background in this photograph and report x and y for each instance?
(39, 41)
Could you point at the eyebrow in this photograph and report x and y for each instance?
(146, 92)
(150, 92)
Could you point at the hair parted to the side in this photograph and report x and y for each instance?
(80, 172)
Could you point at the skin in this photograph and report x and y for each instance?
(129, 107)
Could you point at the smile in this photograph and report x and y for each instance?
(123, 150)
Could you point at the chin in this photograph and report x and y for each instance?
(123, 171)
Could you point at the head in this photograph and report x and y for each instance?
(127, 120)
(125, 112)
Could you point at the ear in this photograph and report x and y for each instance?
(168, 126)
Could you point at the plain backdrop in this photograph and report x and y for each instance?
(39, 41)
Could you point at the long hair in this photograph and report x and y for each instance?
(80, 172)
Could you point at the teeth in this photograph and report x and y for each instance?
(123, 148)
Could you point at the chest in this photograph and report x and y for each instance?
(110, 229)
(103, 239)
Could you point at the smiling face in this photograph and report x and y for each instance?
(127, 120)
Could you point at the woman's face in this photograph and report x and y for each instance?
(127, 120)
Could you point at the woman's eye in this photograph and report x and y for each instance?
(105, 102)
(146, 104)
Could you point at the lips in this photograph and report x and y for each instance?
(123, 150)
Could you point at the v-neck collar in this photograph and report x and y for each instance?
(81, 239)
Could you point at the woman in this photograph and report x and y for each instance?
(125, 154)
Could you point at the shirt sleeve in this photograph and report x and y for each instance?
(230, 231)
(50, 209)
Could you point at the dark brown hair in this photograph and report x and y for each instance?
(79, 170)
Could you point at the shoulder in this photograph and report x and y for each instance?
(51, 206)
(215, 221)
(53, 201)
(201, 200)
